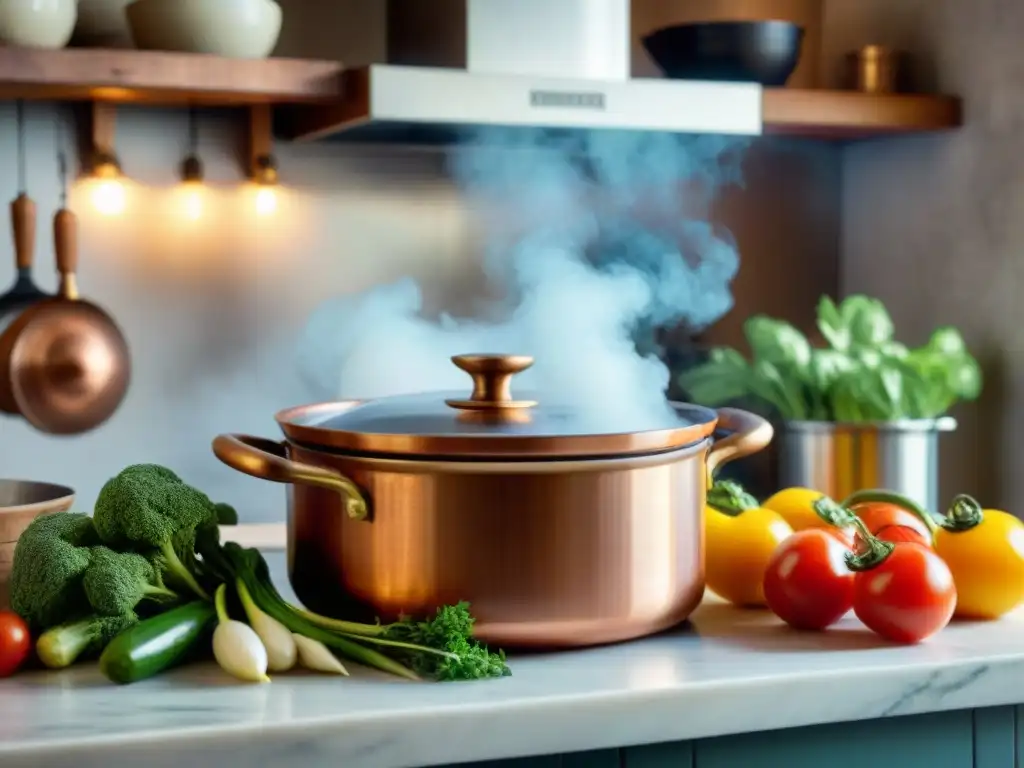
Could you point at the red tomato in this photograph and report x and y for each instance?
(15, 643)
(901, 534)
(908, 597)
(807, 583)
(846, 536)
(892, 522)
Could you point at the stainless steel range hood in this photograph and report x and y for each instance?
(457, 65)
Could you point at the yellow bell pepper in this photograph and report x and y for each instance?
(796, 506)
(984, 549)
(740, 537)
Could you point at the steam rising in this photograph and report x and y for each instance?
(593, 241)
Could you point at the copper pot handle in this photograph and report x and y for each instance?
(750, 434)
(267, 460)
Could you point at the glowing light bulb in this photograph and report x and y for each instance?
(108, 197)
(266, 201)
(192, 202)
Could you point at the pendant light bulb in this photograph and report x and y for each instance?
(265, 177)
(108, 193)
(266, 201)
(192, 184)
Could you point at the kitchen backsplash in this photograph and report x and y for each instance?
(211, 307)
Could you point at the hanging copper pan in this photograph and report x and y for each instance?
(64, 363)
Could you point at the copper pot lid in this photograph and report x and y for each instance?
(490, 422)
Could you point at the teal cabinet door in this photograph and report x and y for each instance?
(602, 758)
(981, 738)
(995, 735)
(677, 755)
(939, 740)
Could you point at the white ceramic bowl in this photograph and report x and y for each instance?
(37, 23)
(243, 29)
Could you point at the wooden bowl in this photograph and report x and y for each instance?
(21, 502)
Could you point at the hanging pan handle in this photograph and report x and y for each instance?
(23, 218)
(267, 460)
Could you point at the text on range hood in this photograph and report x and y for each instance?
(455, 65)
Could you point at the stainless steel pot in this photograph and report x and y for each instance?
(556, 535)
(839, 459)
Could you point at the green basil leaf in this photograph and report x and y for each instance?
(895, 350)
(892, 390)
(870, 359)
(832, 325)
(724, 377)
(783, 392)
(965, 378)
(777, 341)
(868, 320)
(947, 341)
(845, 402)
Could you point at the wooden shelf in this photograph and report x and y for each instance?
(156, 78)
(824, 114)
(147, 77)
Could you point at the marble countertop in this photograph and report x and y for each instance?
(729, 671)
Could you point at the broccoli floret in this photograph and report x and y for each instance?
(116, 582)
(50, 560)
(147, 506)
(226, 514)
(64, 644)
(154, 469)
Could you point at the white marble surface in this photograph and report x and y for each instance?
(732, 671)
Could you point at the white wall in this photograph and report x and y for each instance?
(211, 308)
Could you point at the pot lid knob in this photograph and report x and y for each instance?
(492, 382)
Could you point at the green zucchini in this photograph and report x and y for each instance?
(157, 644)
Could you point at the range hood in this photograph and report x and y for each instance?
(456, 65)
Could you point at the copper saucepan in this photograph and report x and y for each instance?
(558, 536)
(64, 363)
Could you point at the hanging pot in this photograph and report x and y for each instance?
(558, 535)
(64, 364)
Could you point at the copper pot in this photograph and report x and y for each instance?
(556, 535)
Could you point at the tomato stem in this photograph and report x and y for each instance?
(871, 551)
(890, 497)
(833, 513)
(964, 513)
(729, 498)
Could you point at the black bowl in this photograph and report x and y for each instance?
(764, 52)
